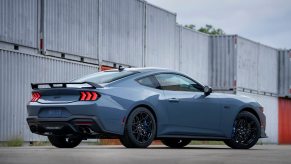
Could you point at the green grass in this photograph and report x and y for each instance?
(15, 142)
(40, 143)
(207, 143)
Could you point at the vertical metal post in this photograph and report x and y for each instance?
(99, 40)
(41, 27)
(180, 47)
(144, 35)
(235, 63)
(210, 60)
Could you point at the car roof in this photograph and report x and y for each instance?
(146, 69)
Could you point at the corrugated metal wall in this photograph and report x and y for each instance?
(247, 64)
(132, 33)
(122, 31)
(284, 121)
(257, 66)
(178, 47)
(222, 65)
(160, 38)
(268, 64)
(270, 105)
(194, 57)
(71, 26)
(285, 73)
(19, 22)
(17, 71)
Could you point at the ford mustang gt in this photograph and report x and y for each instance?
(139, 105)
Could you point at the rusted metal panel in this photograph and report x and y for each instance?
(284, 121)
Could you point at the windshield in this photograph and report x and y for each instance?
(105, 77)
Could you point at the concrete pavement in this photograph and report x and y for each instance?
(205, 154)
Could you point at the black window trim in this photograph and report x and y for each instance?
(115, 80)
(153, 80)
(152, 76)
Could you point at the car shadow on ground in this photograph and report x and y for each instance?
(163, 148)
(155, 147)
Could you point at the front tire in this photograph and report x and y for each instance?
(246, 131)
(140, 129)
(64, 142)
(176, 143)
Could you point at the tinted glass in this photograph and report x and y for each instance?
(175, 82)
(105, 77)
(147, 81)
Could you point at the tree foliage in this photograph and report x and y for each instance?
(208, 29)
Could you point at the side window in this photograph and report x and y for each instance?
(174, 82)
(147, 81)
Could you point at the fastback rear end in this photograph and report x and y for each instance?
(65, 109)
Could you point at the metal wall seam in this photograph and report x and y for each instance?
(284, 67)
(177, 47)
(19, 22)
(71, 27)
(122, 31)
(144, 36)
(99, 40)
(18, 70)
(160, 38)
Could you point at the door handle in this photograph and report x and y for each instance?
(174, 100)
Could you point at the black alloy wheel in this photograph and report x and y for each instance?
(140, 129)
(246, 131)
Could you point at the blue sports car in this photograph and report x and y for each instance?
(139, 105)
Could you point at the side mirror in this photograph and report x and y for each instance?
(207, 90)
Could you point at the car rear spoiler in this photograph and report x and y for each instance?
(64, 85)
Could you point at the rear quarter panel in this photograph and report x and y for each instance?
(121, 98)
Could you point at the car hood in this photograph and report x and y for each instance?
(241, 98)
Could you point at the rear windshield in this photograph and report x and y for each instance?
(105, 77)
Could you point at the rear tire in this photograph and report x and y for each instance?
(175, 142)
(64, 142)
(140, 129)
(246, 131)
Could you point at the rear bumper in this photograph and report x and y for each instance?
(106, 114)
(83, 126)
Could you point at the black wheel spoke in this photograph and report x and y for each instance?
(244, 130)
(142, 127)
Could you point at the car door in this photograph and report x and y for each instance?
(189, 111)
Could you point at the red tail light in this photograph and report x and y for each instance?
(35, 96)
(89, 96)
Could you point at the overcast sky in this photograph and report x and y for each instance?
(264, 21)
